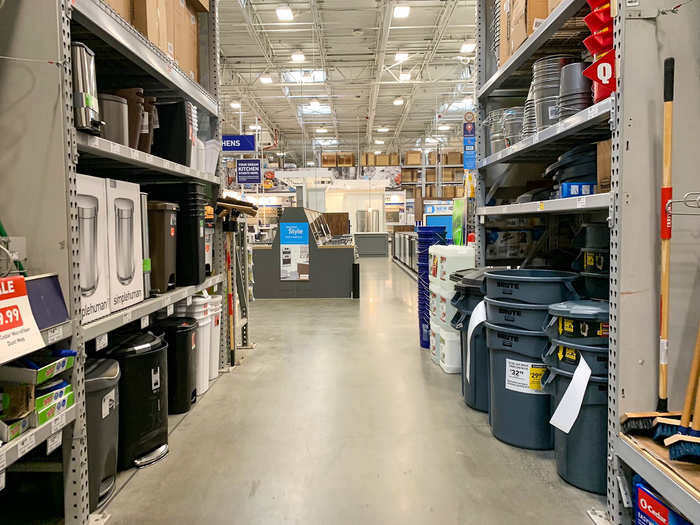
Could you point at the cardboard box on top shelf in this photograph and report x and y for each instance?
(454, 157)
(381, 159)
(346, 160)
(185, 37)
(394, 159)
(371, 161)
(459, 191)
(122, 7)
(201, 6)
(448, 191)
(604, 166)
(552, 5)
(524, 17)
(430, 175)
(150, 18)
(504, 38)
(363, 159)
(329, 160)
(413, 158)
(448, 174)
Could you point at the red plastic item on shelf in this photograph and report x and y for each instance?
(595, 4)
(600, 42)
(602, 73)
(601, 92)
(598, 18)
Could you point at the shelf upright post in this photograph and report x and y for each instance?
(481, 77)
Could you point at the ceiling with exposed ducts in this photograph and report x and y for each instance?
(347, 75)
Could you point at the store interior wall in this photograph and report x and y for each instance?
(351, 201)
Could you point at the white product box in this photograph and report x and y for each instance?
(125, 249)
(94, 257)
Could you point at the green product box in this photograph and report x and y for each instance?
(47, 400)
(9, 431)
(49, 367)
(38, 418)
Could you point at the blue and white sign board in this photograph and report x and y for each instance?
(248, 171)
(238, 142)
(469, 153)
(294, 251)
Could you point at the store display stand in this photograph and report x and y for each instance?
(38, 193)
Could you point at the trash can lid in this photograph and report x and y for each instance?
(134, 343)
(163, 205)
(473, 279)
(583, 309)
(101, 374)
(178, 324)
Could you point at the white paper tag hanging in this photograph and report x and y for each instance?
(478, 316)
(569, 407)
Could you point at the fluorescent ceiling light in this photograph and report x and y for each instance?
(266, 79)
(382, 130)
(321, 130)
(401, 57)
(402, 11)
(310, 163)
(398, 101)
(468, 101)
(379, 142)
(430, 140)
(235, 105)
(377, 152)
(284, 14)
(298, 56)
(281, 153)
(404, 76)
(468, 47)
(443, 127)
(254, 127)
(315, 104)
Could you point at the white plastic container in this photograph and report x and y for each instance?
(445, 310)
(433, 290)
(434, 340)
(453, 258)
(450, 351)
(215, 308)
(434, 255)
(199, 309)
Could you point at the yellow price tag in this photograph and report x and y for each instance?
(536, 373)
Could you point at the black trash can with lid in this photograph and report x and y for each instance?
(143, 395)
(180, 334)
(162, 234)
(102, 409)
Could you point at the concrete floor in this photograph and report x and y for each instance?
(339, 418)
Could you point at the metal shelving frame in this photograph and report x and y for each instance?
(38, 196)
(645, 32)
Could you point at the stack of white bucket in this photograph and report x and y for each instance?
(445, 347)
(207, 311)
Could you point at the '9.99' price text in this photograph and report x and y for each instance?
(10, 317)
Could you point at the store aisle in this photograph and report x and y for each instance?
(338, 418)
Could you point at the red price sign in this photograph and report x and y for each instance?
(10, 317)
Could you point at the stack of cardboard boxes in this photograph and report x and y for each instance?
(172, 25)
(519, 19)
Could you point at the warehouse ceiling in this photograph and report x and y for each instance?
(325, 74)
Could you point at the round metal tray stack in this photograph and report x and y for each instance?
(529, 120)
(546, 77)
(513, 124)
(574, 90)
(494, 122)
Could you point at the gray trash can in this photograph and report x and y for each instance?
(102, 407)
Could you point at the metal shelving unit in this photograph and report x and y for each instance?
(644, 35)
(599, 201)
(107, 157)
(39, 199)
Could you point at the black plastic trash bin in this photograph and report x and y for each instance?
(180, 334)
(143, 397)
(102, 408)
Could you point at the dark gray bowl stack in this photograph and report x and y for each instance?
(574, 90)
(546, 78)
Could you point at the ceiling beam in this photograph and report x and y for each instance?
(318, 30)
(380, 58)
(443, 22)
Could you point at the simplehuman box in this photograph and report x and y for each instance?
(124, 244)
(94, 258)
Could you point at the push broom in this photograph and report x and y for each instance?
(665, 426)
(643, 422)
(687, 447)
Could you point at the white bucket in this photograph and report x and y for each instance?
(434, 253)
(215, 309)
(445, 310)
(453, 258)
(433, 299)
(199, 309)
(434, 340)
(450, 351)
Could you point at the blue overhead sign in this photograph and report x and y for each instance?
(248, 171)
(238, 142)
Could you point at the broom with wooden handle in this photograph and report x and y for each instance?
(666, 427)
(687, 447)
(643, 423)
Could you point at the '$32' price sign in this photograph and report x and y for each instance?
(10, 317)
